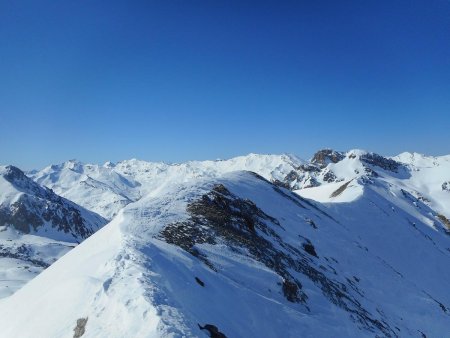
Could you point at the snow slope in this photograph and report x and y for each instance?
(252, 259)
(31, 208)
(97, 188)
(429, 180)
(24, 256)
(107, 189)
(426, 178)
(36, 227)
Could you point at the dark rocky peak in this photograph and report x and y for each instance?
(13, 174)
(22, 182)
(36, 207)
(380, 161)
(325, 156)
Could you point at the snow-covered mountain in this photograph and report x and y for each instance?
(36, 227)
(34, 209)
(341, 177)
(107, 189)
(237, 256)
(348, 244)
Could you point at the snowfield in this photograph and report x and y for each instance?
(345, 245)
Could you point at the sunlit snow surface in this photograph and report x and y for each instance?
(107, 189)
(380, 268)
(130, 283)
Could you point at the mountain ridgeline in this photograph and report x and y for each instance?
(347, 244)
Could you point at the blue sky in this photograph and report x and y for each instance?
(179, 80)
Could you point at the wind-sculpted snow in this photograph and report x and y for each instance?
(238, 256)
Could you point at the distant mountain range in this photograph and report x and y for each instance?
(347, 244)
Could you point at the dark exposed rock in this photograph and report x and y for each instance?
(444, 220)
(310, 168)
(213, 331)
(13, 174)
(22, 253)
(80, 328)
(311, 222)
(291, 291)
(381, 162)
(292, 176)
(199, 281)
(446, 186)
(283, 184)
(370, 172)
(340, 190)
(329, 176)
(325, 156)
(30, 213)
(298, 179)
(309, 248)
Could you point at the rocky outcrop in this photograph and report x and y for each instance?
(380, 161)
(325, 156)
(222, 218)
(80, 328)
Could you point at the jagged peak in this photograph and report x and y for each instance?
(11, 172)
(17, 178)
(325, 156)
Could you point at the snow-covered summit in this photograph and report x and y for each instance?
(107, 189)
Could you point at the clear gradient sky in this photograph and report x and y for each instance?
(179, 80)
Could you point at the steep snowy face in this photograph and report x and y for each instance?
(239, 256)
(36, 227)
(30, 208)
(100, 189)
(107, 189)
(429, 180)
(425, 178)
(328, 170)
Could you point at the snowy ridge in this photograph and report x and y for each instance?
(250, 258)
(107, 189)
(203, 249)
